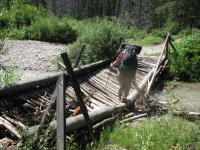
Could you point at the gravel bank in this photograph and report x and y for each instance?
(36, 58)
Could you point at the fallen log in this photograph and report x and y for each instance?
(76, 122)
(133, 118)
(129, 115)
(15, 122)
(10, 127)
(105, 121)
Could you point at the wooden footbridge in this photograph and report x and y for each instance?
(94, 91)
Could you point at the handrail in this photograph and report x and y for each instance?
(149, 86)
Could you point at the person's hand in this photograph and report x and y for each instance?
(112, 64)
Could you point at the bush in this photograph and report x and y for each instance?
(102, 38)
(20, 15)
(185, 64)
(50, 29)
(8, 76)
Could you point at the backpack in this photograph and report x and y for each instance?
(129, 59)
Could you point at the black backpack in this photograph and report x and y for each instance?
(129, 59)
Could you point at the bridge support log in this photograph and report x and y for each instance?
(77, 122)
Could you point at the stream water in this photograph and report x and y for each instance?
(187, 94)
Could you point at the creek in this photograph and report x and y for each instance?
(186, 94)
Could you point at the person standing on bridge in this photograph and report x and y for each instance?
(127, 64)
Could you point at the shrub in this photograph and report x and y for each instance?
(50, 29)
(20, 15)
(8, 76)
(102, 38)
(185, 63)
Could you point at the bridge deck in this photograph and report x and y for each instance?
(95, 84)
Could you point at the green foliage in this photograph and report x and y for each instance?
(8, 76)
(45, 141)
(151, 40)
(51, 29)
(101, 36)
(20, 14)
(151, 133)
(185, 63)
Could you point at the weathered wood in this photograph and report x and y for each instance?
(96, 126)
(94, 95)
(147, 63)
(129, 115)
(142, 85)
(141, 94)
(133, 118)
(80, 54)
(21, 85)
(77, 122)
(172, 46)
(159, 61)
(13, 121)
(77, 91)
(61, 115)
(10, 127)
(50, 110)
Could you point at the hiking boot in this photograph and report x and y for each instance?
(120, 97)
(123, 100)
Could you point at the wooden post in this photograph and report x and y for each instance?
(158, 63)
(140, 92)
(61, 115)
(79, 56)
(78, 92)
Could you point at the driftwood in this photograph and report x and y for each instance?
(105, 121)
(77, 122)
(129, 115)
(187, 114)
(134, 118)
(10, 127)
(15, 122)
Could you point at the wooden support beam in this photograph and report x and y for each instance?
(77, 122)
(158, 63)
(61, 115)
(79, 56)
(142, 95)
(77, 91)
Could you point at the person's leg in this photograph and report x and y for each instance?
(127, 86)
(121, 83)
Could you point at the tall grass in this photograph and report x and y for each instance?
(164, 133)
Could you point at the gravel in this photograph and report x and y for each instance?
(37, 58)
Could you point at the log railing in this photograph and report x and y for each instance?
(158, 65)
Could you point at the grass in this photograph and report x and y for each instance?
(161, 132)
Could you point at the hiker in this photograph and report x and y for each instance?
(126, 73)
